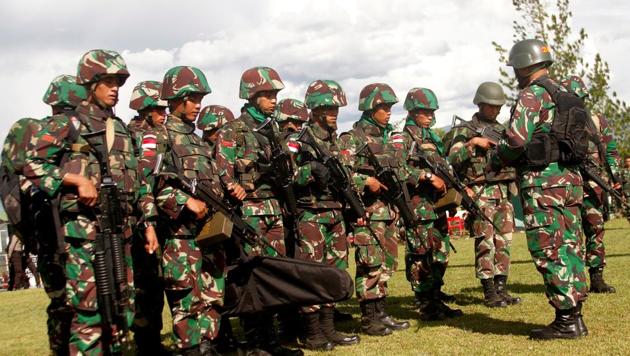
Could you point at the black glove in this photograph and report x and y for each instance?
(320, 172)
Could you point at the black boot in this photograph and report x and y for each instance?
(490, 297)
(580, 322)
(254, 335)
(500, 282)
(370, 323)
(445, 309)
(565, 326)
(597, 281)
(313, 338)
(288, 326)
(191, 351)
(271, 343)
(387, 319)
(327, 324)
(339, 316)
(428, 309)
(446, 298)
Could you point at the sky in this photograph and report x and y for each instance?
(442, 45)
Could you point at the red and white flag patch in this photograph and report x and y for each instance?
(294, 146)
(149, 142)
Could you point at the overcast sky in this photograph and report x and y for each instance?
(443, 45)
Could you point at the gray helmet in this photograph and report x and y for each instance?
(489, 93)
(526, 53)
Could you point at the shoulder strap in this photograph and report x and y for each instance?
(549, 86)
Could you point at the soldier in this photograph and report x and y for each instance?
(551, 191)
(17, 262)
(427, 246)
(625, 178)
(290, 115)
(64, 161)
(492, 190)
(243, 159)
(211, 120)
(603, 151)
(322, 231)
(376, 241)
(192, 282)
(147, 324)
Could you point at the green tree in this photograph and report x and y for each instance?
(550, 23)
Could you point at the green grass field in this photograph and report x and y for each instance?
(480, 331)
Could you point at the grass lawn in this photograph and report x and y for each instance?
(480, 331)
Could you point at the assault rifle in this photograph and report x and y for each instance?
(282, 171)
(490, 132)
(339, 182)
(590, 171)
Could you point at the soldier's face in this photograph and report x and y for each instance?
(291, 125)
(382, 113)
(627, 162)
(266, 101)
(106, 91)
(489, 111)
(422, 117)
(192, 106)
(158, 116)
(327, 116)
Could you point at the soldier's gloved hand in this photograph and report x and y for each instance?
(198, 207)
(374, 185)
(85, 188)
(320, 172)
(236, 191)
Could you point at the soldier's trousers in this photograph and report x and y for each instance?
(271, 229)
(554, 233)
(376, 258)
(322, 239)
(593, 224)
(492, 248)
(194, 287)
(426, 256)
(86, 332)
(17, 271)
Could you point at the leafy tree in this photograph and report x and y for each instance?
(550, 23)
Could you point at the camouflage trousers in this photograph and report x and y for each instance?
(492, 248)
(271, 229)
(86, 332)
(593, 224)
(322, 239)
(426, 256)
(554, 233)
(194, 289)
(376, 254)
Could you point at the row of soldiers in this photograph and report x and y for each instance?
(72, 154)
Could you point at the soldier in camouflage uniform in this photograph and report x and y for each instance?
(603, 151)
(243, 161)
(427, 246)
(468, 153)
(376, 241)
(551, 194)
(290, 115)
(193, 282)
(147, 325)
(211, 120)
(322, 231)
(63, 162)
(625, 178)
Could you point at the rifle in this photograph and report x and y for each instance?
(282, 170)
(489, 132)
(340, 181)
(589, 170)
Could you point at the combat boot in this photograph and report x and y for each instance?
(254, 336)
(565, 326)
(445, 309)
(428, 309)
(597, 281)
(206, 348)
(370, 323)
(313, 338)
(580, 322)
(446, 298)
(288, 326)
(327, 324)
(387, 319)
(500, 282)
(270, 343)
(490, 297)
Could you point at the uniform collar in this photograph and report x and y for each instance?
(176, 124)
(94, 111)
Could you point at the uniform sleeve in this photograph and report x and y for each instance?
(225, 154)
(348, 157)
(44, 154)
(460, 152)
(521, 126)
(612, 154)
(409, 173)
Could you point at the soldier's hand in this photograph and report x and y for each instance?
(374, 185)
(151, 244)
(438, 183)
(362, 221)
(481, 142)
(85, 188)
(198, 207)
(237, 191)
(470, 192)
(617, 186)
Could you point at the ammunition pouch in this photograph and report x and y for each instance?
(542, 150)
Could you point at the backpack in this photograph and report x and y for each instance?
(567, 143)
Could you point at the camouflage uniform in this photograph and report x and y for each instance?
(193, 282)
(290, 111)
(61, 148)
(145, 95)
(212, 118)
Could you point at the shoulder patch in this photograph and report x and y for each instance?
(149, 142)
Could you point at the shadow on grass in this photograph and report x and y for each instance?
(515, 288)
(518, 262)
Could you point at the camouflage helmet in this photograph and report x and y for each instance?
(181, 81)
(325, 93)
(375, 94)
(146, 95)
(421, 98)
(291, 109)
(259, 79)
(527, 53)
(489, 93)
(98, 63)
(576, 85)
(64, 91)
(213, 117)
